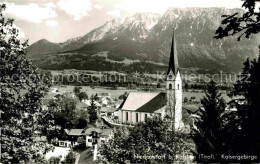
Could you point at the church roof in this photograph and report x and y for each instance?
(74, 132)
(173, 63)
(147, 102)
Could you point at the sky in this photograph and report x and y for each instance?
(59, 20)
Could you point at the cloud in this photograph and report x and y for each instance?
(115, 13)
(51, 23)
(98, 6)
(76, 9)
(50, 4)
(31, 12)
(162, 5)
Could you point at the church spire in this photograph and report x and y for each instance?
(173, 63)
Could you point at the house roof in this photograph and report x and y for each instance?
(89, 130)
(81, 105)
(135, 100)
(102, 132)
(156, 103)
(74, 132)
(191, 108)
(108, 109)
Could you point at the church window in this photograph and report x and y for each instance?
(126, 116)
(170, 86)
(136, 117)
(178, 86)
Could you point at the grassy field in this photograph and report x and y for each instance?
(88, 90)
(199, 95)
(116, 93)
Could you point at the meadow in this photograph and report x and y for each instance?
(198, 94)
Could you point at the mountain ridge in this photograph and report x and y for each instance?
(146, 37)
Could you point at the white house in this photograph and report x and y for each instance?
(72, 137)
(97, 135)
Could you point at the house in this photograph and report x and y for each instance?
(106, 95)
(107, 111)
(140, 105)
(82, 106)
(97, 135)
(106, 101)
(72, 137)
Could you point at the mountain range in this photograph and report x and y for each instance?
(142, 43)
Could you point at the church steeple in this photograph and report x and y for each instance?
(174, 89)
(173, 63)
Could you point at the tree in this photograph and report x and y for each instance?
(22, 88)
(247, 24)
(70, 158)
(185, 100)
(82, 123)
(152, 138)
(209, 127)
(76, 90)
(123, 96)
(83, 96)
(92, 110)
(65, 113)
(244, 123)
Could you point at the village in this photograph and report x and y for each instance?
(107, 109)
(127, 81)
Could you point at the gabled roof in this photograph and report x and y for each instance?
(158, 102)
(191, 108)
(173, 63)
(148, 102)
(90, 130)
(108, 109)
(102, 132)
(135, 100)
(74, 132)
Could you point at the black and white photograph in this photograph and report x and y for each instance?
(129, 81)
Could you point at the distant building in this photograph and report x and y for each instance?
(107, 111)
(140, 105)
(97, 135)
(106, 95)
(72, 137)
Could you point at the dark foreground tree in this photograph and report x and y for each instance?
(64, 111)
(92, 111)
(244, 124)
(209, 127)
(245, 24)
(83, 96)
(151, 141)
(76, 90)
(21, 90)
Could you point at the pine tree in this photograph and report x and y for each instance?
(92, 110)
(209, 125)
(244, 123)
(76, 91)
(83, 96)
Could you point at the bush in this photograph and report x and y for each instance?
(70, 158)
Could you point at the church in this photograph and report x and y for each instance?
(140, 105)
